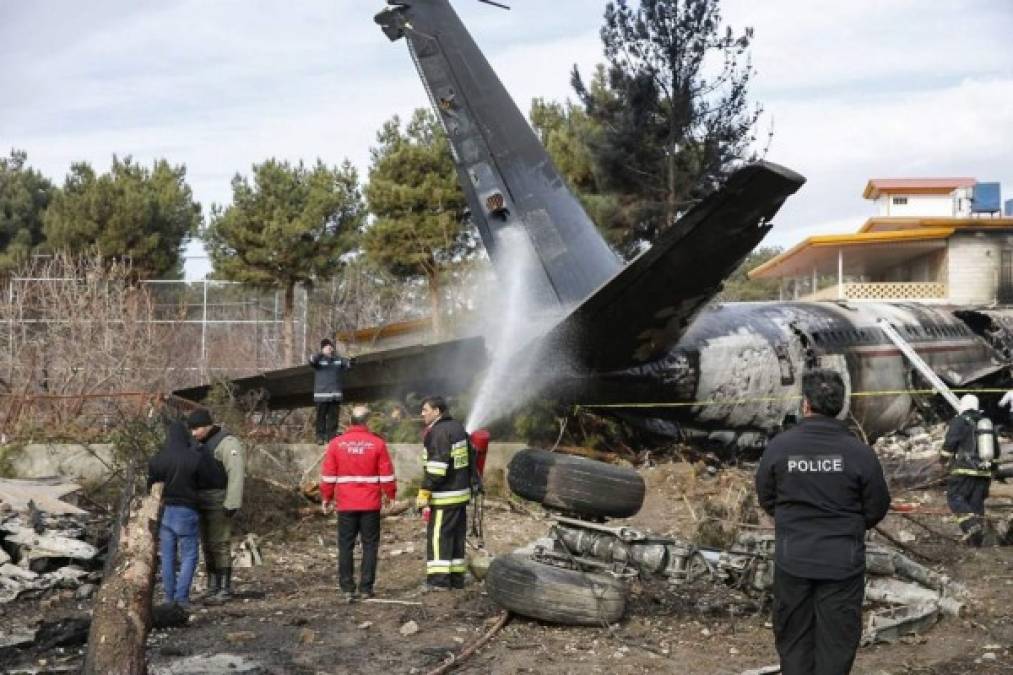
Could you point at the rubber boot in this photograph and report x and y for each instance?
(224, 593)
(974, 532)
(214, 586)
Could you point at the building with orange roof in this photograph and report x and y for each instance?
(934, 240)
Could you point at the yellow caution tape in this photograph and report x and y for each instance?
(768, 399)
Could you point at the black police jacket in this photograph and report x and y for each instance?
(327, 376)
(824, 488)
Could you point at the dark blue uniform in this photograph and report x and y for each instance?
(824, 488)
(328, 376)
(970, 478)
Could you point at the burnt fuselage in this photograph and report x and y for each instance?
(738, 367)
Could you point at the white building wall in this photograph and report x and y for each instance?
(962, 202)
(938, 206)
(973, 267)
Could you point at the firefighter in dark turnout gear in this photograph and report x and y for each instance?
(824, 488)
(328, 369)
(970, 476)
(446, 488)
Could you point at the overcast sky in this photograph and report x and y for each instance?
(855, 89)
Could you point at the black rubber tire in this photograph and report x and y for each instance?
(553, 594)
(575, 484)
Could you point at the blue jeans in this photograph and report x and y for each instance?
(181, 525)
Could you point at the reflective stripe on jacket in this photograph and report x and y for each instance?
(356, 469)
(446, 463)
(327, 376)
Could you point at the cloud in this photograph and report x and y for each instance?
(841, 142)
(855, 89)
(894, 45)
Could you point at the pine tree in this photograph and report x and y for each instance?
(24, 196)
(668, 128)
(421, 225)
(132, 213)
(291, 226)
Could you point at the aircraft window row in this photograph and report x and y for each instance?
(876, 336)
(848, 336)
(943, 331)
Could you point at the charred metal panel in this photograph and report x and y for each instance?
(499, 157)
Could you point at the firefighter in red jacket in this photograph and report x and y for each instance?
(355, 472)
(446, 487)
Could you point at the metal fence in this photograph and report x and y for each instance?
(208, 328)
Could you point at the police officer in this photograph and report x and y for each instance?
(446, 488)
(824, 488)
(970, 476)
(328, 368)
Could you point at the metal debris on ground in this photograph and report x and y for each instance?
(904, 596)
(42, 494)
(40, 551)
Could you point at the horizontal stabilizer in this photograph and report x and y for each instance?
(641, 312)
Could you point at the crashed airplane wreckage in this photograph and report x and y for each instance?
(642, 342)
(579, 573)
(44, 541)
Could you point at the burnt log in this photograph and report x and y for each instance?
(121, 616)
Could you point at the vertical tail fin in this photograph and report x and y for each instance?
(505, 172)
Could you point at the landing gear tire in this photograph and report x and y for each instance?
(554, 594)
(575, 484)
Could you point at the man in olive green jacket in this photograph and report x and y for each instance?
(219, 501)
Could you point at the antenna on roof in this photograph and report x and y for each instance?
(494, 4)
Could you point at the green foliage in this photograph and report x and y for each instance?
(225, 409)
(740, 288)
(565, 130)
(8, 457)
(132, 212)
(538, 423)
(136, 439)
(24, 196)
(420, 209)
(290, 226)
(669, 117)
(395, 423)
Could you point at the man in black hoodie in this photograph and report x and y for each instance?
(181, 468)
(824, 488)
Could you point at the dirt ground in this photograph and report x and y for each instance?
(288, 617)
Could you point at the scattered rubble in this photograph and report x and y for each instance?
(910, 458)
(40, 550)
(709, 621)
(216, 664)
(39, 494)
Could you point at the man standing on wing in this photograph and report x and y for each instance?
(356, 474)
(825, 488)
(328, 376)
